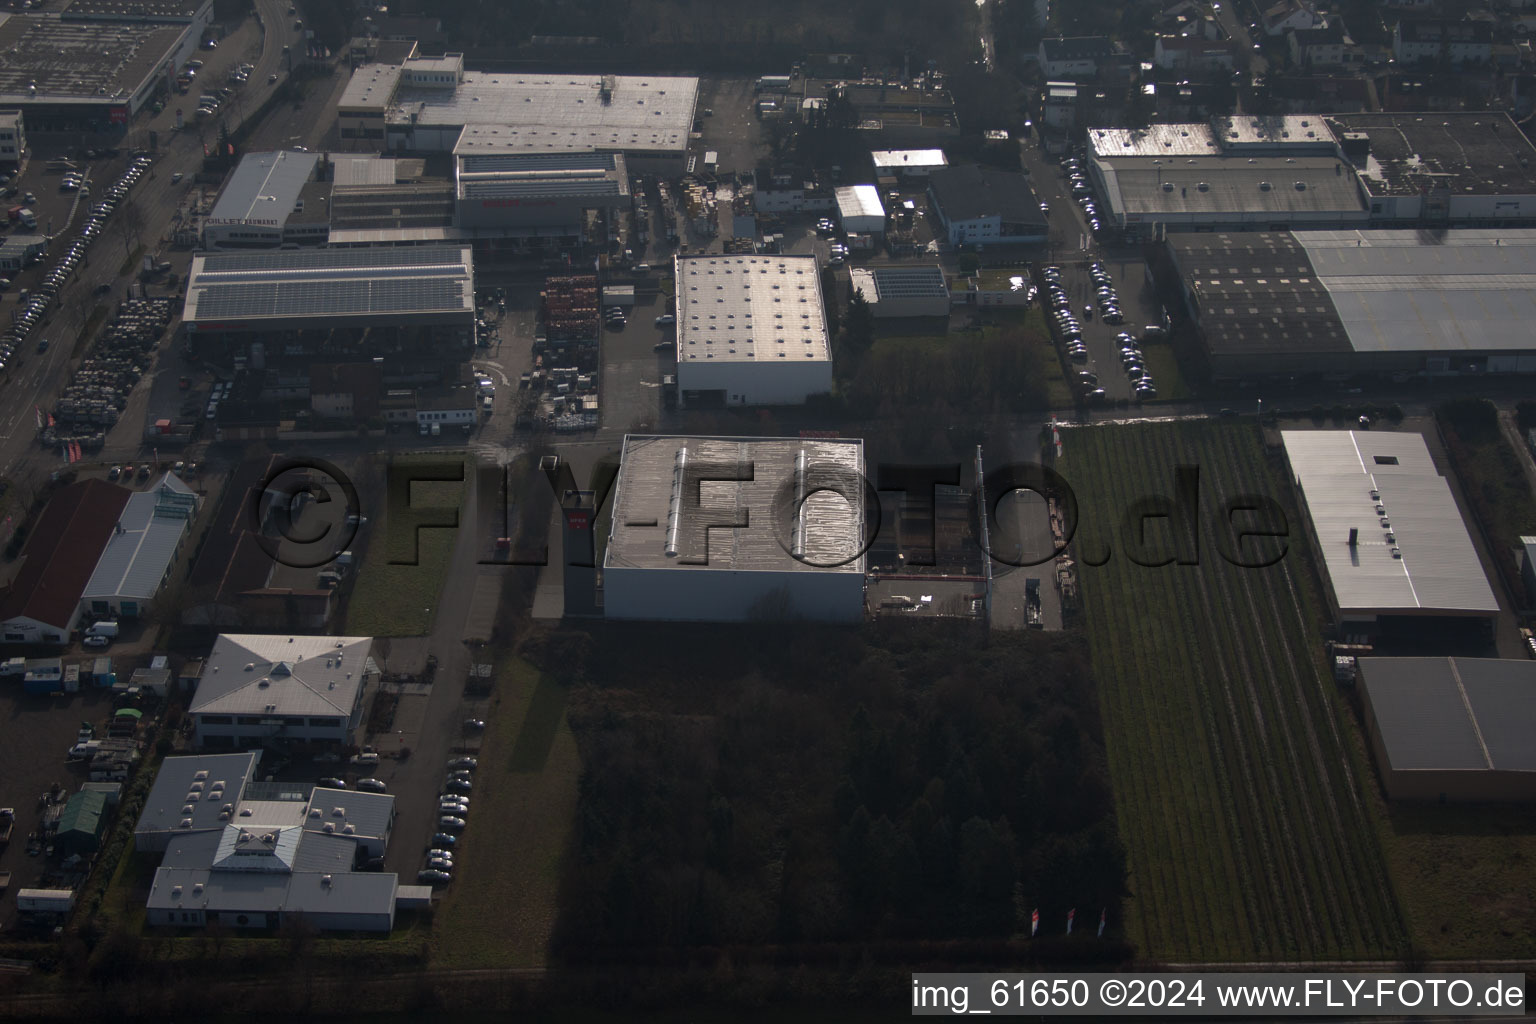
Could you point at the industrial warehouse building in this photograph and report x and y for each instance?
(727, 529)
(906, 164)
(492, 197)
(1451, 729)
(1237, 173)
(902, 291)
(248, 854)
(1392, 546)
(42, 603)
(1389, 302)
(979, 206)
(505, 192)
(426, 104)
(428, 288)
(230, 586)
(271, 199)
(1441, 168)
(751, 330)
(93, 65)
(859, 211)
(143, 547)
(262, 688)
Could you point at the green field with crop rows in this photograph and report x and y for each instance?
(1239, 801)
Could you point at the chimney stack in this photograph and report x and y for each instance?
(1354, 537)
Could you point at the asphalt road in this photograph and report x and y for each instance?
(38, 379)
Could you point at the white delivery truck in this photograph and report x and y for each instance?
(106, 628)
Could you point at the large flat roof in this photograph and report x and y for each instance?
(83, 62)
(1466, 153)
(329, 285)
(1457, 290)
(361, 169)
(898, 160)
(1257, 293)
(369, 90)
(217, 779)
(140, 551)
(1453, 714)
(829, 530)
(968, 192)
(520, 99)
(1237, 135)
(748, 309)
(258, 892)
(249, 673)
(1272, 186)
(600, 177)
(1153, 140)
(575, 137)
(927, 282)
(1413, 554)
(132, 10)
(264, 188)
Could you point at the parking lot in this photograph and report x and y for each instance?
(1080, 294)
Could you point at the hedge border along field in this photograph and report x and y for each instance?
(1240, 801)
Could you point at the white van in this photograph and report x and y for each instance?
(107, 628)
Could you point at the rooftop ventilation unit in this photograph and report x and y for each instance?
(328, 828)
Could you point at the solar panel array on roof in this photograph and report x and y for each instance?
(330, 283)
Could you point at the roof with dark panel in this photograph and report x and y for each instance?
(60, 555)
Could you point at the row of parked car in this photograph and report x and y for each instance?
(1134, 364)
(452, 809)
(1082, 192)
(1069, 330)
(36, 303)
(1105, 296)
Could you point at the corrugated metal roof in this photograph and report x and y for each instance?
(352, 169)
(1413, 554)
(264, 187)
(858, 201)
(830, 529)
(248, 673)
(1437, 714)
(1402, 291)
(140, 551)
